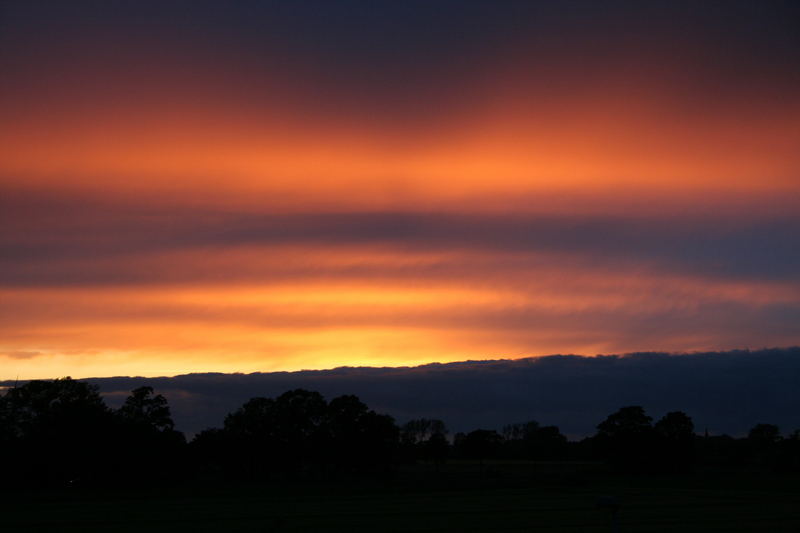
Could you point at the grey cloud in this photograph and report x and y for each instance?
(61, 242)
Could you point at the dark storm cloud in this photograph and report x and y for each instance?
(726, 392)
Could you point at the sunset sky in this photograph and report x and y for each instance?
(257, 186)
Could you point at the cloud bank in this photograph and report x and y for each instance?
(724, 392)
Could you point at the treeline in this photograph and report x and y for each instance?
(61, 433)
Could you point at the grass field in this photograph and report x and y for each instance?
(461, 497)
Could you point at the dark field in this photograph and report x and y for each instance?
(461, 497)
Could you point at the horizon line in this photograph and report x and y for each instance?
(5, 381)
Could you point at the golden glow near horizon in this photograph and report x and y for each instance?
(191, 214)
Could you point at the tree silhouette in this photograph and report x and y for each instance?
(626, 439)
(58, 430)
(359, 437)
(436, 449)
(147, 445)
(420, 430)
(676, 441)
(547, 443)
(425, 438)
(61, 432)
(254, 420)
(378, 440)
(145, 409)
(299, 429)
(764, 435)
(763, 440)
(529, 440)
(790, 452)
(675, 426)
(299, 432)
(627, 422)
(479, 444)
(247, 447)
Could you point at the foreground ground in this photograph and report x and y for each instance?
(460, 497)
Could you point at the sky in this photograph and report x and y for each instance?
(266, 186)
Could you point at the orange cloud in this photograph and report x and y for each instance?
(602, 143)
(316, 321)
